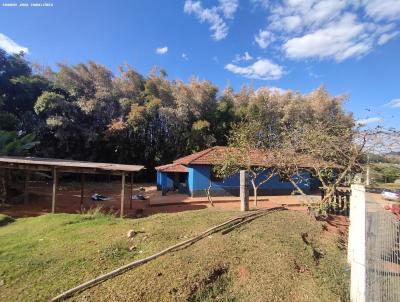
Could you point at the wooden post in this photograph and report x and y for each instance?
(82, 190)
(244, 191)
(55, 183)
(3, 186)
(26, 191)
(130, 197)
(122, 194)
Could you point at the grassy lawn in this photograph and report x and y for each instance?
(265, 260)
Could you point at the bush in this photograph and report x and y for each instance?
(4, 220)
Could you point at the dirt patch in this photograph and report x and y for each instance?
(337, 225)
(68, 200)
(317, 253)
(211, 288)
(243, 273)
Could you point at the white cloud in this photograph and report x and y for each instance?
(260, 3)
(291, 23)
(383, 9)
(185, 57)
(394, 103)
(369, 120)
(328, 29)
(263, 38)
(214, 16)
(308, 14)
(10, 46)
(339, 40)
(162, 50)
(386, 37)
(262, 69)
(245, 57)
(228, 7)
(325, 10)
(273, 89)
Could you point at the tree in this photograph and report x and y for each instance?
(336, 151)
(13, 144)
(244, 153)
(316, 138)
(18, 93)
(86, 112)
(200, 137)
(388, 172)
(49, 103)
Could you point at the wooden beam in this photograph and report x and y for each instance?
(39, 167)
(55, 183)
(82, 190)
(26, 190)
(130, 197)
(122, 194)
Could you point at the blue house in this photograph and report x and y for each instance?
(193, 175)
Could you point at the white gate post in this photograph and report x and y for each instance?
(357, 244)
(244, 191)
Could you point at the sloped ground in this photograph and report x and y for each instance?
(284, 256)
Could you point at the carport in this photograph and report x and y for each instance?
(172, 177)
(58, 166)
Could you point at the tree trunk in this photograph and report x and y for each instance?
(255, 188)
(309, 200)
(208, 191)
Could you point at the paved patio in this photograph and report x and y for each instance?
(173, 198)
(68, 200)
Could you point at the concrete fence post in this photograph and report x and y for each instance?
(356, 253)
(244, 190)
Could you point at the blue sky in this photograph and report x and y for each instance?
(351, 46)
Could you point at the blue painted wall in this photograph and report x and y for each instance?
(199, 176)
(158, 180)
(167, 181)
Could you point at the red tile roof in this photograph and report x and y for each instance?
(172, 168)
(217, 154)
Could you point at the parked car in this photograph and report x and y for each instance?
(391, 195)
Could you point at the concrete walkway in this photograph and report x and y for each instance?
(173, 198)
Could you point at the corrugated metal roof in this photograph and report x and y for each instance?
(65, 163)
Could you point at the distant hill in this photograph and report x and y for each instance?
(393, 156)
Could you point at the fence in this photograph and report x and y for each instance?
(374, 250)
(339, 203)
(383, 255)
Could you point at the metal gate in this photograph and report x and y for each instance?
(382, 254)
